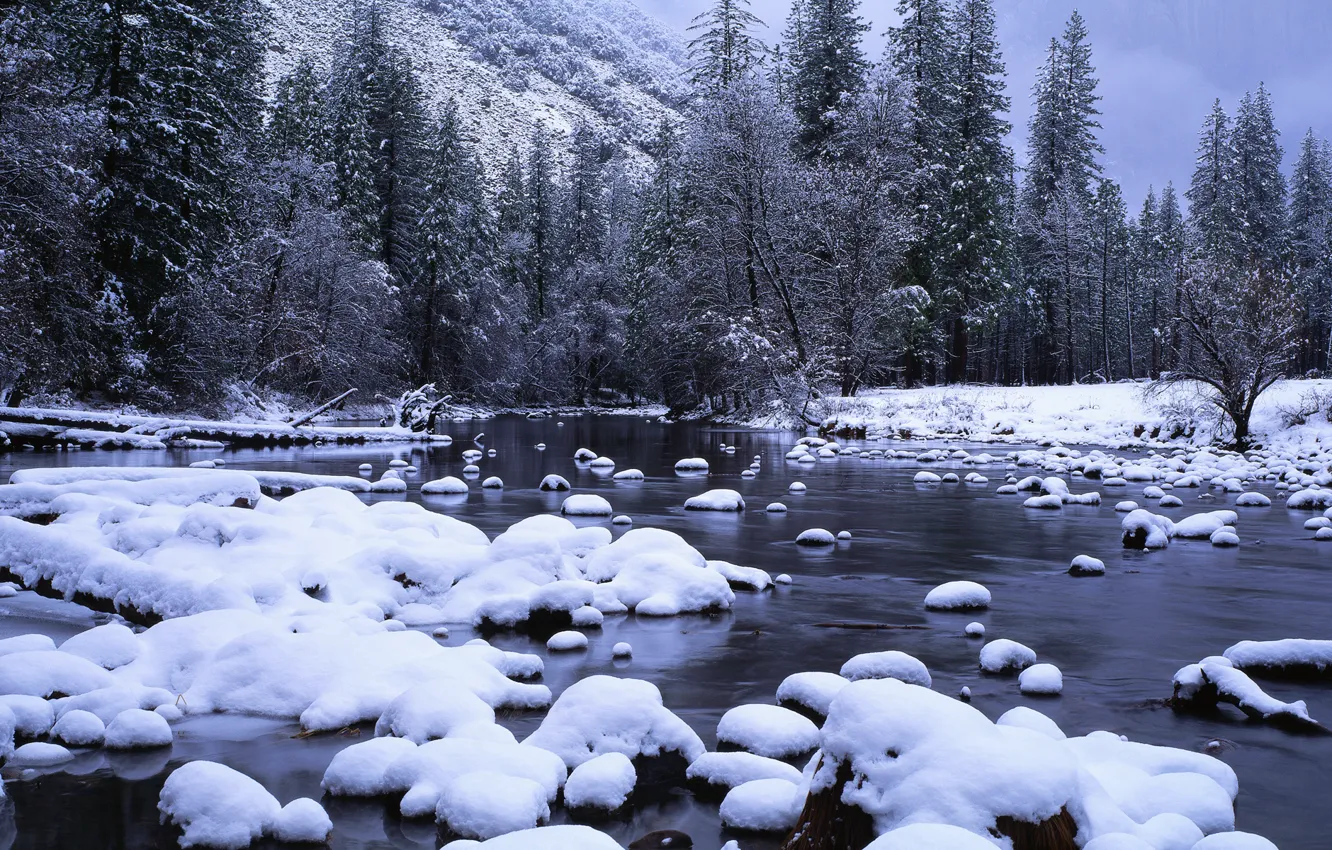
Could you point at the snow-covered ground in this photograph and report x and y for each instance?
(1093, 414)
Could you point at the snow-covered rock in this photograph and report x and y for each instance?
(958, 596)
(586, 504)
(768, 730)
(1003, 655)
(604, 783)
(762, 805)
(890, 664)
(716, 500)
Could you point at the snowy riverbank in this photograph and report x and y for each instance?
(1115, 415)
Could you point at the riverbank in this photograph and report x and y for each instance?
(1122, 415)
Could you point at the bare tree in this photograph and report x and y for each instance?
(1239, 332)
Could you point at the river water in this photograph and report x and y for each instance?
(1117, 639)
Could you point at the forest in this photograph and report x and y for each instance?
(818, 221)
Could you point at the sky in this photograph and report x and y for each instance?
(1161, 63)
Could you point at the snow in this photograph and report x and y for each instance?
(360, 770)
(1253, 500)
(447, 486)
(768, 730)
(691, 464)
(796, 487)
(1004, 655)
(566, 641)
(1086, 565)
(622, 650)
(485, 804)
(763, 805)
(628, 475)
(586, 504)
(603, 714)
(958, 596)
(929, 836)
(554, 483)
(665, 584)
(815, 537)
(776, 508)
(39, 754)
(812, 690)
(728, 770)
(43, 673)
(742, 578)
(302, 821)
(716, 500)
(1203, 526)
(1234, 841)
(109, 646)
(217, 807)
(33, 716)
(890, 664)
(1145, 530)
(908, 746)
(135, 729)
(604, 783)
(1289, 654)
(1041, 680)
(565, 837)
(435, 710)
(494, 482)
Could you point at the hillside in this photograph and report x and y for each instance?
(510, 63)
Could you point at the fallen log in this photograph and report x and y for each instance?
(326, 406)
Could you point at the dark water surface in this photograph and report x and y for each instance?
(1117, 639)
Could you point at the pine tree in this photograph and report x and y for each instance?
(827, 66)
(585, 214)
(1110, 247)
(1213, 197)
(1260, 188)
(296, 115)
(541, 205)
(180, 108)
(1311, 247)
(724, 49)
(352, 152)
(976, 237)
(454, 228)
(1056, 196)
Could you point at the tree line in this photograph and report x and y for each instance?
(813, 224)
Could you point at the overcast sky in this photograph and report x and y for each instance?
(1160, 62)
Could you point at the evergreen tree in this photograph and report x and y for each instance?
(1311, 247)
(542, 199)
(1260, 188)
(1110, 243)
(724, 49)
(1213, 200)
(453, 230)
(352, 152)
(827, 66)
(178, 82)
(296, 115)
(976, 235)
(1056, 196)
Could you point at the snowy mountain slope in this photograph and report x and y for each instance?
(511, 63)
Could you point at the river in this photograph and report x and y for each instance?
(1117, 639)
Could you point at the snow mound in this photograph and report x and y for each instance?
(716, 500)
(1003, 655)
(79, 729)
(691, 464)
(586, 504)
(604, 714)
(930, 836)
(556, 483)
(1086, 565)
(762, 805)
(603, 783)
(1041, 680)
(713, 771)
(1290, 656)
(217, 807)
(566, 641)
(135, 729)
(545, 838)
(815, 537)
(434, 710)
(891, 664)
(447, 486)
(958, 596)
(768, 730)
(811, 692)
(485, 804)
(628, 475)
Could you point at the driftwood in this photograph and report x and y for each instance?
(307, 418)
